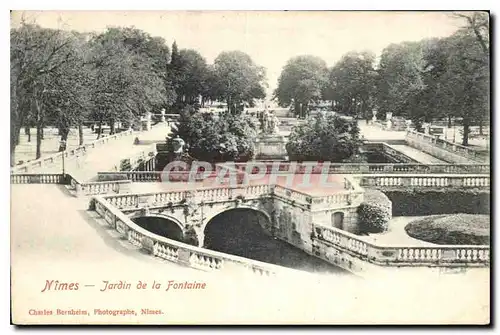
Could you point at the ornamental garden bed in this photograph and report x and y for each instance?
(465, 229)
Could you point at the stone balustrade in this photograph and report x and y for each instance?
(369, 168)
(206, 194)
(178, 252)
(296, 196)
(32, 178)
(68, 154)
(134, 176)
(433, 180)
(454, 148)
(402, 255)
(103, 187)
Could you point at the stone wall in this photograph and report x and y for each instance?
(437, 152)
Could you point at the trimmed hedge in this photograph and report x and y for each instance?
(468, 229)
(111, 177)
(410, 202)
(374, 212)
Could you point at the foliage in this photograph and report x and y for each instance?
(236, 79)
(374, 212)
(216, 138)
(352, 83)
(455, 229)
(324, 138)
(189, 75)
(301, 82)
(437, 78)
(129, 77)
(399, 78)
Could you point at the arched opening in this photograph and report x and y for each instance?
(240, 232)
(160, 226)
(338, 220)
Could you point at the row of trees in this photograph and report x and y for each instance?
(67, 78)
(431, 79)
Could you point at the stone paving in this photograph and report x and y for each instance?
(418, 155)
(107, 157)
(396, 234)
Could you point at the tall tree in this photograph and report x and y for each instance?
(38, 59)
(400, 78)
(301, 81)
(190, 76)
(352, 83)
(237, 80)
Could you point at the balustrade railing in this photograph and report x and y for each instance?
(68, 154)
(32, 178)
(364, 168)
(448, 146)
(205, 194)
(178, 252)
(394, 180)
(398, 255)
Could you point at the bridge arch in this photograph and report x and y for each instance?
(211, 216)
(161, 224)
(232, 229)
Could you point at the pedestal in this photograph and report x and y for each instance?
(270, 146)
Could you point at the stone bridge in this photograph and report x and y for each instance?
(289, 213)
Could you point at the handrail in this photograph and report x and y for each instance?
(369, 168)
(70, 153)
(454, 148)
(178, 252)
(401, 254)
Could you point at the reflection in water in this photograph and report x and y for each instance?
(238, 232)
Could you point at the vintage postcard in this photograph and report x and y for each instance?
(250, 167)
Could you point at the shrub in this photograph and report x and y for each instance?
(374, 212)
(411, 202)
(469, 229)
(190, 237)
(111, 177)
(324, 138)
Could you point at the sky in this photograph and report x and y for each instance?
(271, 38)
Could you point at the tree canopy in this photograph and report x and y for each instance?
(212, 138)
(301, 81)
(237, 80)
(324, 138)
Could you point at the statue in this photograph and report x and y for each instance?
(273, 125)
(178, 144)
(264, 119)
(163, 115)
(269, 123)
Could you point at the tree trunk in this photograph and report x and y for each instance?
(481, 126)
(27, 131)
(38, 140)
(39, 129)
(111, 127)
(41, 132)
(449, 121)
(465, 140)
(99, 129)
(305, 110)
(64, 137)
(80, 134)
(297, 109)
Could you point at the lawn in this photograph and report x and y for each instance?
(471, 229)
